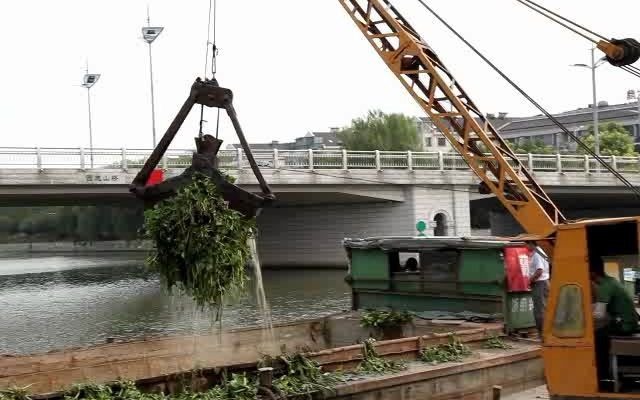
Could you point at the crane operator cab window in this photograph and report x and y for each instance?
(613, 260)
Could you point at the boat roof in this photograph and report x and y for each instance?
(418, 243)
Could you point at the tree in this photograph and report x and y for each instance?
(615, 140)
(532, 147)
(380, 131)
(7, 224)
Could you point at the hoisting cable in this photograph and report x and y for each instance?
(213, 5)
(532, 5)
(586, 148)
(632, 70)
(551, 14)
(214, 55)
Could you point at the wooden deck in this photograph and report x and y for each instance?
(539, 393)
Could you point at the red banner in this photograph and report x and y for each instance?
(516, 261)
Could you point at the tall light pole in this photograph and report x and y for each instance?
(88, 81)
(149, 34)
(594, 64)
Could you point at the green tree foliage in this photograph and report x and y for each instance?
(7, 225)
(615, 140)
(384, 132)
(70, 223)
(531, 146)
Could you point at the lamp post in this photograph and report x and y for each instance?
(594, 64)
(88, 81)
(149, 34)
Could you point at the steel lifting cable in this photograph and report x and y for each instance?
(214, 54)
(532, 5)
(213, 10)
(551, 14)
(632, 70)
(635, 190)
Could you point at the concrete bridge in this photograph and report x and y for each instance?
(323, 196)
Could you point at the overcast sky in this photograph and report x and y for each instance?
(294, 65)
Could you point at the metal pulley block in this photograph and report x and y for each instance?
(621, 52)
(209, 94)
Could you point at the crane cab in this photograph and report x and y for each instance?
(570, 347)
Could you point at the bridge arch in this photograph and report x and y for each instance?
(443, 223)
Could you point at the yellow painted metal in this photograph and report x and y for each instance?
(440, 95)
(569, 361)
(570, 267)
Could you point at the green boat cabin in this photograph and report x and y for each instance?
(439, 277)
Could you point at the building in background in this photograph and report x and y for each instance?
(434, 140)
(312, 140)
(540, 128)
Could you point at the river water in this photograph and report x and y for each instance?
(55, 302)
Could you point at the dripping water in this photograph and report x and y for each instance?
(268, 336)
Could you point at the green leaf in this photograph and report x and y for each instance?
(200, 243)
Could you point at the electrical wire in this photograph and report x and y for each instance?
(631, 187)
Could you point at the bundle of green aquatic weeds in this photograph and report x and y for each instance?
(200, 243)
(239, 387)
(384, 319)
(15, 393)
(374, 364)
(452, 351)
(305, 377)
(495, 342)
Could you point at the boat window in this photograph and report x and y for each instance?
(405, 262)
(569, 314)
(439, 265)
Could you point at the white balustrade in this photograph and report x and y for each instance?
(42, 159)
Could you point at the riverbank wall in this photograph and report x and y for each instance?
(112, 246)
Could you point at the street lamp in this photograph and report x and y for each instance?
(149, 34)
(594, 64)
(88, 81)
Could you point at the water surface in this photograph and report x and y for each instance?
(54, 302)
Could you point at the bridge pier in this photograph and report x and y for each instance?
(311, 236)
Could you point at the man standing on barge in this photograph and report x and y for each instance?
(539, 283)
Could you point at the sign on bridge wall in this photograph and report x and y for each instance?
(102, 178)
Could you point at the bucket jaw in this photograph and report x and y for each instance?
(207, 93)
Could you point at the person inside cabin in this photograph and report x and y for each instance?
(411, 265)
(614, 313)
(539, 283)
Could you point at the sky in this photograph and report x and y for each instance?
(294, 65)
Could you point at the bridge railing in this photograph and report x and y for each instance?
(124, 159)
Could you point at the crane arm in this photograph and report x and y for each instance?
(436, 91)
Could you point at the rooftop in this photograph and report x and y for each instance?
(578, 118)
(308, 141)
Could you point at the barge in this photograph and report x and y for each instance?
(470, 286)
(164, 364)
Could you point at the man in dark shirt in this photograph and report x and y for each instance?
(614, 313)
